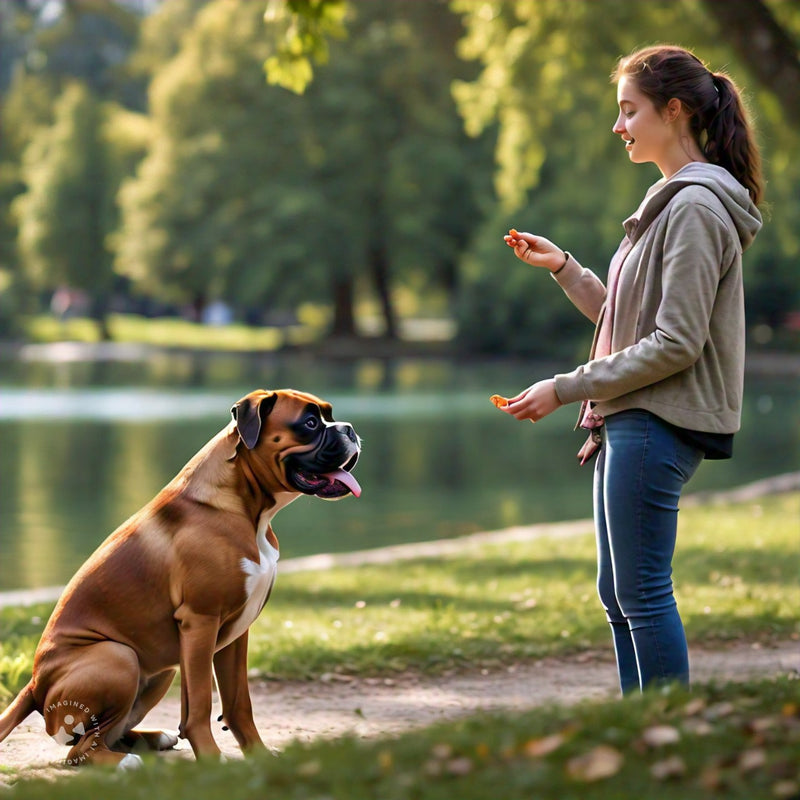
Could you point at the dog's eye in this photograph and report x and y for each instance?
(311, 423)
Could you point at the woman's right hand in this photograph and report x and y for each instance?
(535, 250)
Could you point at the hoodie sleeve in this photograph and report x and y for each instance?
(696, 246)
(586, 291)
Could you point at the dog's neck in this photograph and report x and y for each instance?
(226, 478)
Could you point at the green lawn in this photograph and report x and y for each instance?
(736, 576)
(174, 332)
(730, 742)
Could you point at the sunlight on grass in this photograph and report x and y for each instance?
(735, 572)
(736, 575)
(170, 332)
(737, 742)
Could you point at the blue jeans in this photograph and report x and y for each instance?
(641, 469)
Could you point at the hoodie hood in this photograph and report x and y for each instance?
(744, 214)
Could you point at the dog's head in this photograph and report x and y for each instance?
(294, 433)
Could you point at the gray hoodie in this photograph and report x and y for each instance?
(678, 333)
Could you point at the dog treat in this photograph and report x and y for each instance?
(499, 401)
(514, 232)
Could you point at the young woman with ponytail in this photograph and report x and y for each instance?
(662, 388)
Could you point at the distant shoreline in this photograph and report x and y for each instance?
(777, 363)
(778, 484)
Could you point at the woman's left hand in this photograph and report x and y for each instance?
(535, 402)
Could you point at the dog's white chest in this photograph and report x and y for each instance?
(258, 581)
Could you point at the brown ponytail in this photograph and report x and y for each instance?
(731, 143)
(717, 115)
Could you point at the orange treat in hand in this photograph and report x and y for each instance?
(499, 401)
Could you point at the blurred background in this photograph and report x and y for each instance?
(203, 197)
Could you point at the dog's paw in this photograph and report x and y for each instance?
(130, 761)
(166, 740)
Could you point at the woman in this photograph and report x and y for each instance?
(663, 387)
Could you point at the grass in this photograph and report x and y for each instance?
(736, 574)
(729, 741)
(172, 332)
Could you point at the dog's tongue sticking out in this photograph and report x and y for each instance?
(346, 478)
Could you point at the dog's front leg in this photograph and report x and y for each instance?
(230, 666)
(198, 636)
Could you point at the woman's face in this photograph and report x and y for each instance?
(646, 133)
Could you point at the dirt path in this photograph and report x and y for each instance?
(287, 711)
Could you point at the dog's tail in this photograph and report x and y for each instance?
(23, 705)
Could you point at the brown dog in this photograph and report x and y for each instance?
(179, 584)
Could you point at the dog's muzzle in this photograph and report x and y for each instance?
(325, 471)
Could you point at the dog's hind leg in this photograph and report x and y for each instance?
(135, 738)
(89, 705)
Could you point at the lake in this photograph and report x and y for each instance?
(85, 443)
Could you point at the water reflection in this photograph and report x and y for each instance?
(85, 445)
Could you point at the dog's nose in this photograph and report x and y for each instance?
(347, 429)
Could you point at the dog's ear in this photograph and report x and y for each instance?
(249, 413)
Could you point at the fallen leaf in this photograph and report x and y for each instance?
(697, 727)
(538, 748)
(601, 762)
(442, 751)
(672, 767)
(660, 735)
(694, 707)
(719, 710)
(459, 766)
(385, 760)
(752, 759)
(482, 750)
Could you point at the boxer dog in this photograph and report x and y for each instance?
(178, 586)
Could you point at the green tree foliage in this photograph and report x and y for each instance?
(40, 57)
(72, 170)
(266, 199)
(217, 207)
(561, 173)
(301, 29)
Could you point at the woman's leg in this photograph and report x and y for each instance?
(646, 466)
(623, 641)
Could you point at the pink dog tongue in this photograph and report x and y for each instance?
(347, 479)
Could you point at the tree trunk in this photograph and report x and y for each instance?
(767, 49)
(379, 267)
(99, 313)
(344, 318)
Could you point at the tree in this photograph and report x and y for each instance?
(763, 33)
(394, 150)
(267, 199)
(72, 170)
(216, 209)
(560, 171)
(88, 41)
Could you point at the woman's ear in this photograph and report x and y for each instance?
(673, 109)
